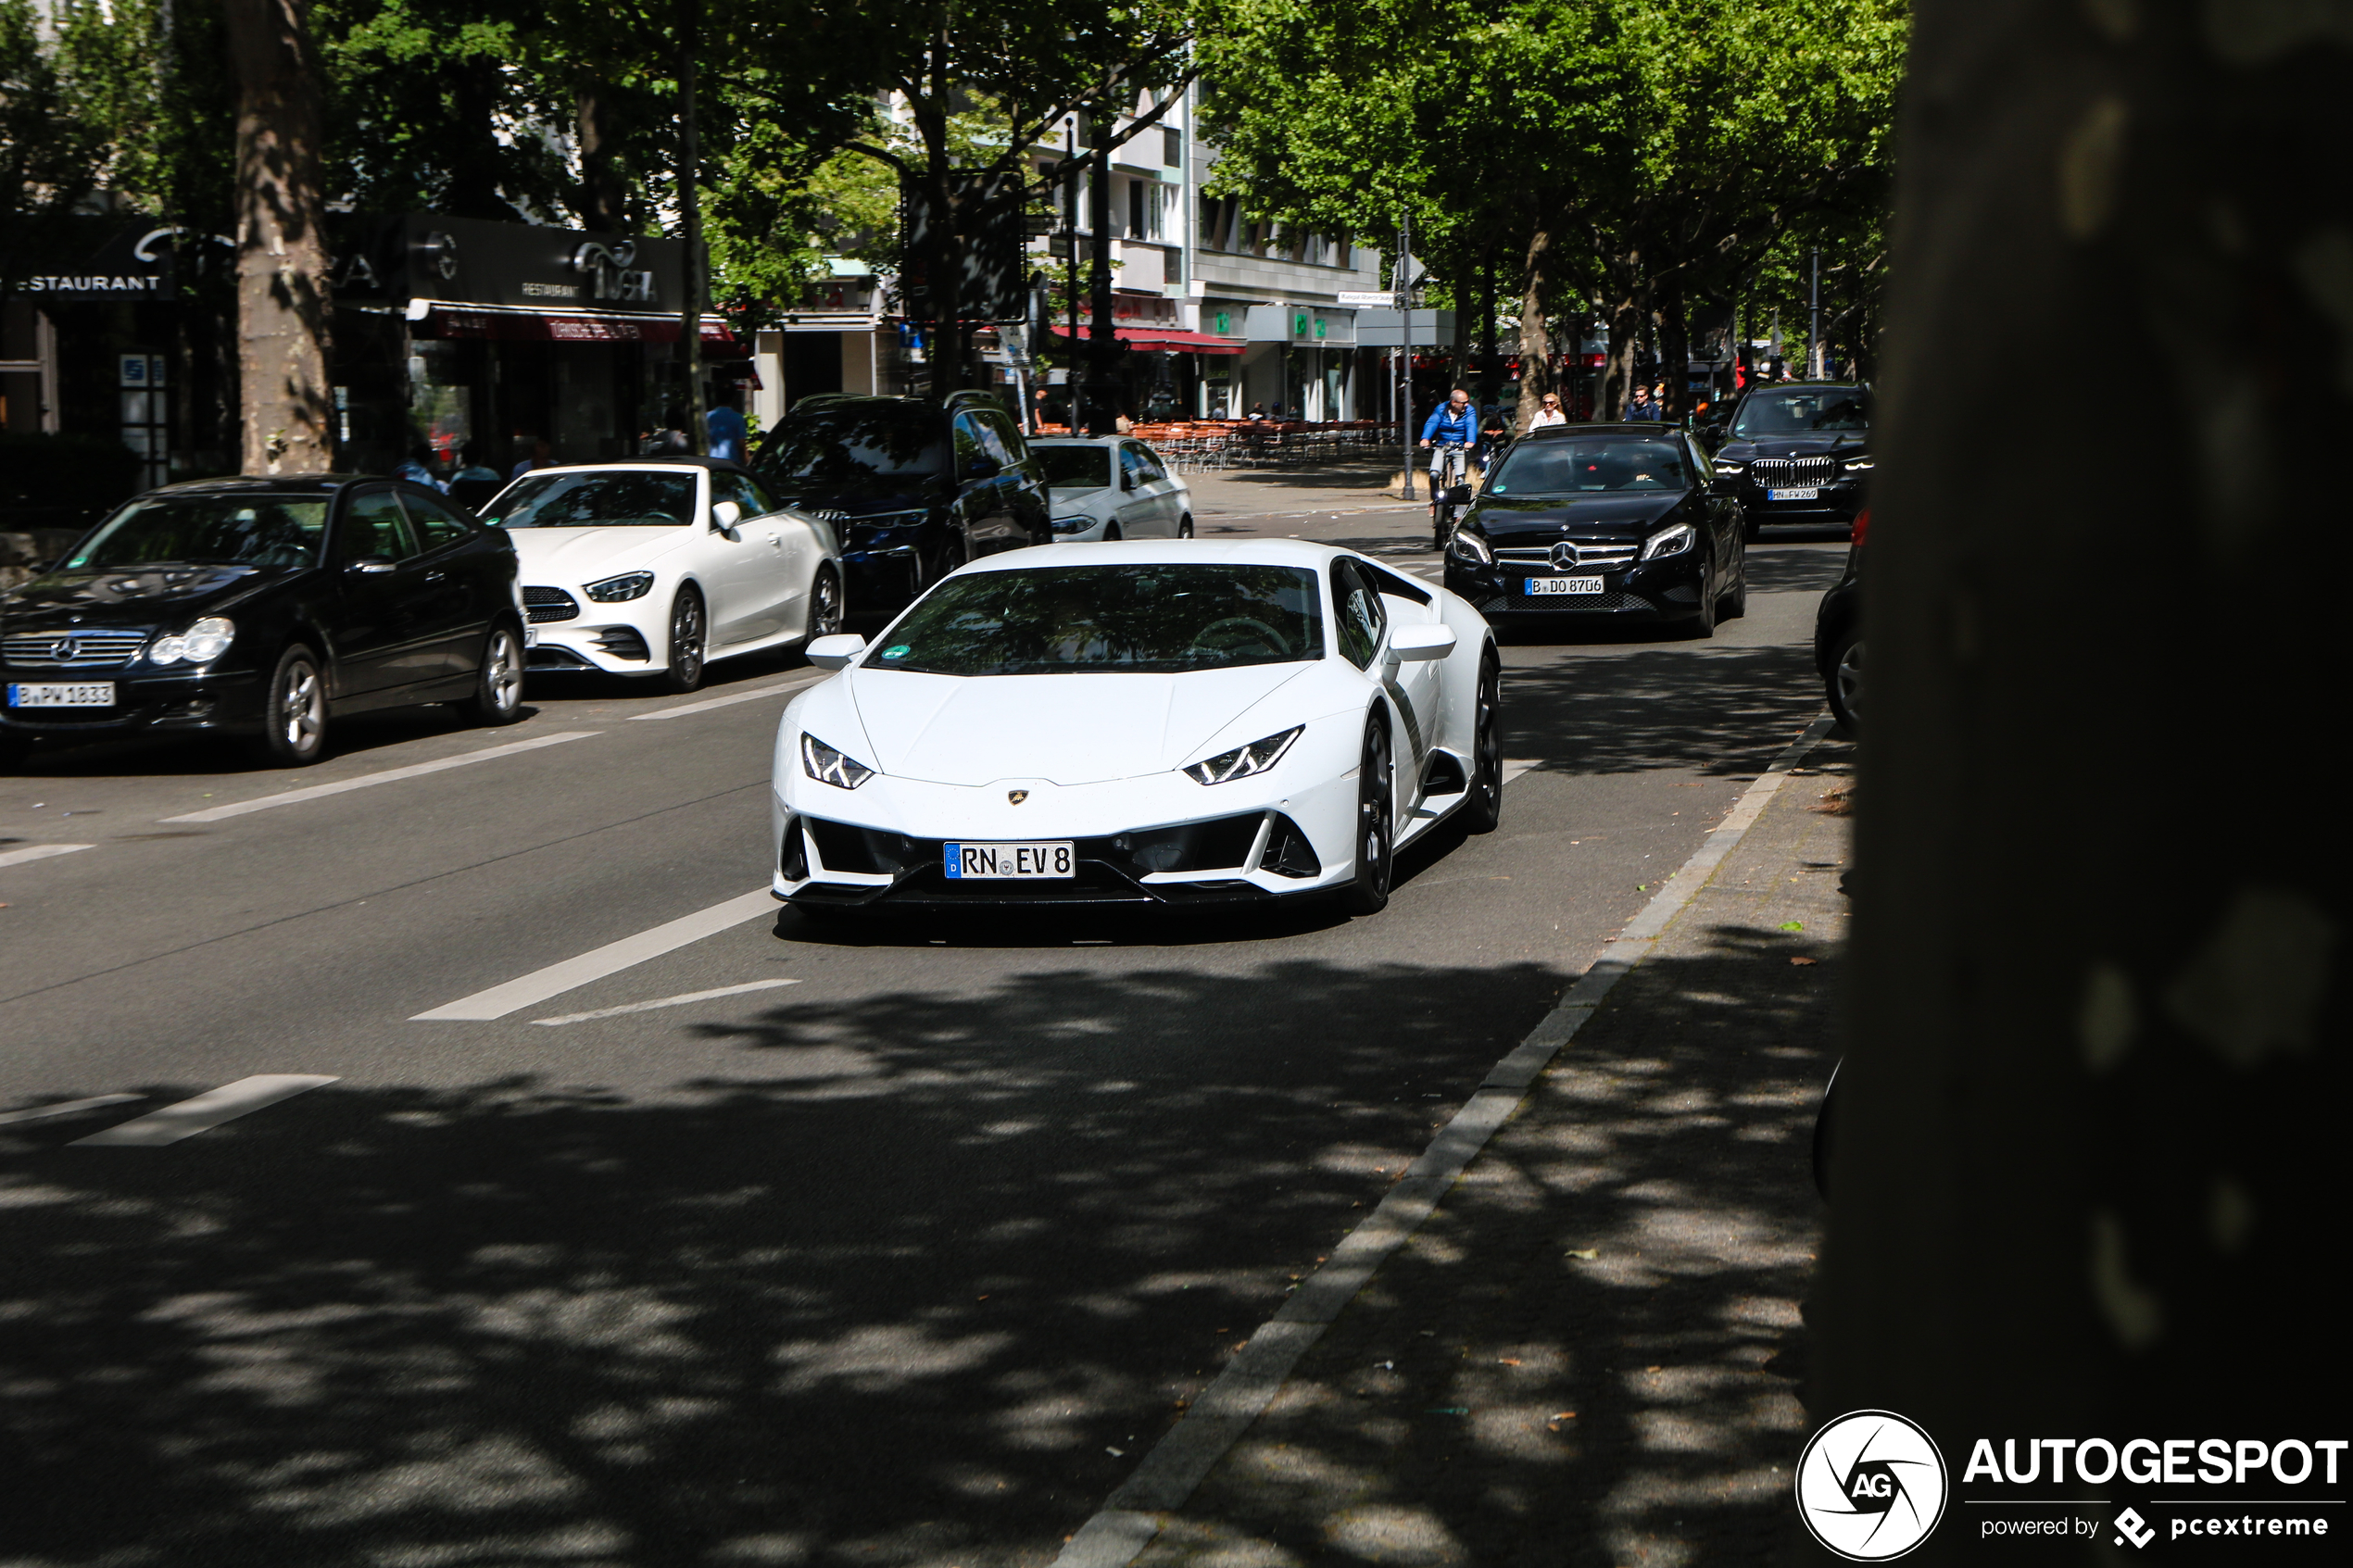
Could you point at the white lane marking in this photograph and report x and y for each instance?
(390, 775)
(209, 1110)
(663, 1002)
(39, 852)
(610, 959)
(1515, 766)
(730, 699)
(1164, 1479)
(65, 1107)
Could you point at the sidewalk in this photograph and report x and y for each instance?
(1592, 1352)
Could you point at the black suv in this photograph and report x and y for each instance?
(264, 608)
(1795, 453)
(914, 488)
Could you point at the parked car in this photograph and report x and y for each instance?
(1799, 452)
(1142, 722)
(1615, 522)
(1838, 635)
(914, 488)
(265, 607)
(658, 566)
(1112, 487)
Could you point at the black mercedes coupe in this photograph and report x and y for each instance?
(1607, 521)
(1796, 453)
(263, 607)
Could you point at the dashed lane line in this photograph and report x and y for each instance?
(781, 689)
(38, 852)
(65, 1107)
(208, 1111)
(389, 775)
(613, 957)
(666, 1002)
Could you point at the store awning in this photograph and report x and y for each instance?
(507, 325)
(1171, 339)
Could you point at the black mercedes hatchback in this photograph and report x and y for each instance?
(1799, 453)
(264, 608)
(1605, 521)
(914, 488)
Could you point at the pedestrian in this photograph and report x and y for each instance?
(730, 437)
(475, 480)
(1122, 423)
(543, 455)
(417, 468)
(1257, 413)
(1550, 414)
(1641, 407)
(671, 441)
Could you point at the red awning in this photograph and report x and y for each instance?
(1174, 339)
(562, 326)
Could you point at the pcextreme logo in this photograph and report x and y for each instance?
(1871, 1485)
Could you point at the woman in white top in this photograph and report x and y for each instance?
(1550, 414)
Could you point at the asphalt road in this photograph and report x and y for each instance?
(902, 1256)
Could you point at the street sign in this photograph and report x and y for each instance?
(1058, 245)
(1042, 223)
(1376, 298)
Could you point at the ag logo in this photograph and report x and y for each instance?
(1871, 1486)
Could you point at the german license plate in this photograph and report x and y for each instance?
(1813, 495)
(1009, 863)
(81, 694)
(1540, 587)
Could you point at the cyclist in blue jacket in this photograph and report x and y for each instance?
(1453, 423)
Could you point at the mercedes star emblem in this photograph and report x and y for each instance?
(1016, 796)
(64, 649)
(1564, 554)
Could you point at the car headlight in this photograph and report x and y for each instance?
(1077, 522)
(1668, 542)
(1856, 465)
(825, 765)
(884, 521)
(615, 590)
(1244, 761)
(200, 644)
(1467, 545)
(1725, 470)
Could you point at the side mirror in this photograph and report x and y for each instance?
(1411, 643)
(726, 515)
(834, 652)
(1459, 495)
(1127, 479)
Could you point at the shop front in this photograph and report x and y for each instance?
(455, 333)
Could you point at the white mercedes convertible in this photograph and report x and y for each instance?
(1144, 723)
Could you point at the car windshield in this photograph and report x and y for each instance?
(604, 498)
(244, 530)
(1800, 413)
(1562, 467)
(869, 441)
(1144, 619)
(1075, 467)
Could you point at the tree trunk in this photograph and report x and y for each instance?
(1489, 371)
(474, 175)
(1535, 340)
(2089, 1168)
(603, 201)
(282, 303)
(1628, 316)
(1675, 350)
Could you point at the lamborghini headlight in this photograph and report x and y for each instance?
(826, 765)
(1244, 761)
(1668, 542)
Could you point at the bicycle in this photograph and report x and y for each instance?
(1451, 470)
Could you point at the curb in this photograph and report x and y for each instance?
(1164, 1479)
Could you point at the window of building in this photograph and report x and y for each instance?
(1173, 148)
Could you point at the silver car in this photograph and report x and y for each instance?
(1112, 487)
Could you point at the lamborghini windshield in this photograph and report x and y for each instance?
(1140, 618)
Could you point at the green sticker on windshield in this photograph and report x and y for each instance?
(1499, 489)
(897, 650)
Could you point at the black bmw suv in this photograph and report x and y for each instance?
(914, 488)
(264, 608)
(1601, 521)
(1796, 453)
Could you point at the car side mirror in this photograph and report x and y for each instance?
(834, 652)
(726, 515)
(1412, 643)
(1126, 479)
(1459, 495)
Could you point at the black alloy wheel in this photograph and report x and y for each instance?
(825, 605)
(498, 698)
(1485, 807)
(689, 643)
(1704, 624)
(294, 718)
(1375, 827)
(1845, 680)
(1184, 527)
